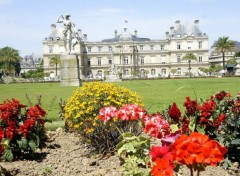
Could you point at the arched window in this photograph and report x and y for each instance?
(164, 71)
(153, 72)
(126, 72)
(179, 71)
(99, 74)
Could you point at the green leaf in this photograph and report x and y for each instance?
(23, 143)
(34, 138)
(200, 129)
(235, 141)
(8, 155)
(33, 146)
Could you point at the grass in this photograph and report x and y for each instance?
(158, 94)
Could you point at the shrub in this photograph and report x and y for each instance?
(82, 109)
(21, 130)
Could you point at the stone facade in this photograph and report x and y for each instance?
(133, 55)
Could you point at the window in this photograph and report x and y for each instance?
(141, 47)
(178, 46)
(179, 71)
(99, 49)
(125, 61)
(126, 72)
(164, 71)
(110, 48)
(162, 47)
(178, 59)
(151, 47)
(89, 74)
(88, 62)
(200, 59)
(189, 45)
(50, 49)
(153, 72)
(109, 61)
(142, 60)
(199, 45)
(99, 60)
(142, 71)
(99, 74)
(89, 49)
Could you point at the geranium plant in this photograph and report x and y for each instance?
(22, 129)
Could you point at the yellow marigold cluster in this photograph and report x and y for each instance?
(82, 109)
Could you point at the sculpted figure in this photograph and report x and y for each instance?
(71, 36)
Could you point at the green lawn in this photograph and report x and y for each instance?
(155, 93)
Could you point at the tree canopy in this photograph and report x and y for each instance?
(223, 45)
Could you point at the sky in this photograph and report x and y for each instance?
(25, 23)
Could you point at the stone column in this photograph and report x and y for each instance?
(69, 71)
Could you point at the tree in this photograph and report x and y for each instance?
(55, 61)
(189, 57)
(173, 71)
(9, 57)
(222, 45)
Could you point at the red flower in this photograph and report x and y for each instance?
(174, 113)
(206, 111)
(36, 111)
(107, 113)
(197, 149)
(220, 96)
(131, 112)
(156, 126)
(219, 120)
(191, 106)
(163, 153)
(162, 167)
(11, 131)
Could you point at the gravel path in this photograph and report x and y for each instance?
(67, 156)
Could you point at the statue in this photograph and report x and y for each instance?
(113, 69)
(71, 36)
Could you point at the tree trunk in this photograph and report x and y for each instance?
(56, 69)
(223, 54)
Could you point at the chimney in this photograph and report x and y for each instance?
(115, 33)
(167, 34)
(196, 22)
(135, 32)
(177, 25)
(53, 26)
(85, 37)
(171, 30)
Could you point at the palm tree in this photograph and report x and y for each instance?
(222, 45)
(55, 61)
(189, 57)
(9, 57)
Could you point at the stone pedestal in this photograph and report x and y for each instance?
(112, 78)
(69, 71)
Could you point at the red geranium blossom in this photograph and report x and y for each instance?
(156, 126)
(107, 113)
(131, 112)
(162, 167)
(197, 149)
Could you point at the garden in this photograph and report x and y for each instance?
(158, 127)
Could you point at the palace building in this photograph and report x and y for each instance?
(134, 55)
